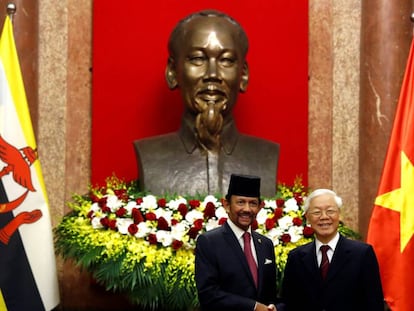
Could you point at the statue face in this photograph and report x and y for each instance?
(209, 65)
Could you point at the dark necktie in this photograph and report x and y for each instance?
(325, 261)
(249, 256)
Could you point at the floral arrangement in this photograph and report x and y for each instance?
(142, 245)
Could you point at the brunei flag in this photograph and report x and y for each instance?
(28, 277)
(391, 228)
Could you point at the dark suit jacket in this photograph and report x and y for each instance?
(223, 278)
(353, 281)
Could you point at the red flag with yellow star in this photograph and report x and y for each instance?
(391, 225)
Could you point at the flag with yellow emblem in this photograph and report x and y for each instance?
(28, 276)
(391, 226)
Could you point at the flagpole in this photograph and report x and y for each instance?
(11, 10)
(412, 20)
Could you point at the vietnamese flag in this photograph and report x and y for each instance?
(391, 225)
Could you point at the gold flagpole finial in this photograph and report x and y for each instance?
(11, 10)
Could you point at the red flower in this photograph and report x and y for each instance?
(132, 229)
(121, 212)
(182, 209)
(193, 232)
(108, 223)
(90, 214)
(198, 223)
(298, 198)
(222, 220)
(102, 201)
(150, 216)
(194, 203)
(174, 222)
(254, 224)
(139, 201)
(105, 209)
(280, 202)
(112, 224)
(270, 223)
(137, 215)
(278, 213)
(210, 210)
(162, 202)
(152, 238)
(94, 198)
(176, 244)
(162, 224)
(308, 232)
(297, 221)
(104, 222)
(121, 194)
(286, 238)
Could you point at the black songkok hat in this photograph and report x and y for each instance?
(244, 185)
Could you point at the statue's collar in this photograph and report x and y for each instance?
(229, 136)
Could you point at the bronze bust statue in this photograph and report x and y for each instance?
(207, 63)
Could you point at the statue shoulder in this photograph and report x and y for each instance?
(259, 143)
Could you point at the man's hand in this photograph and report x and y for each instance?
(262, 307)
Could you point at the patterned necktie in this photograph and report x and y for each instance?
(249, 256)
(325, 261)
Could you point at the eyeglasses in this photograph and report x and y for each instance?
(329, 212)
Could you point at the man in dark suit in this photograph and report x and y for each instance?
(223, 277)
(207, 63)
(345, 278)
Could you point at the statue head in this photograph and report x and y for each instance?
(207, 62)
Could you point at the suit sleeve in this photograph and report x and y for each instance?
(373, 295)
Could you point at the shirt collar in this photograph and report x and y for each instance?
(238, 232)
(332, 243)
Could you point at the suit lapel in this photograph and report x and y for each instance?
(309, 260)
(234, 244)
(341, 255)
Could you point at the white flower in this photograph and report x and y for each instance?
(164, 237)
(192, 215)
(179, 231)
(149, 202)
(123, 224)
(96, 223)
(270, 203)
(285, 222)
(211, 224)
(166, 214)
(174, 204)
(221, 212)
(291, 205)
(95, 207)
(130, 205)
(113, 202)
(295, 233)
(212, 199)
(274, 234)
(143, 230)
(261, 216)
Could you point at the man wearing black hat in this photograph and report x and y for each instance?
(235, 267)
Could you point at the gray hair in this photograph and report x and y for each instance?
(319, 192)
